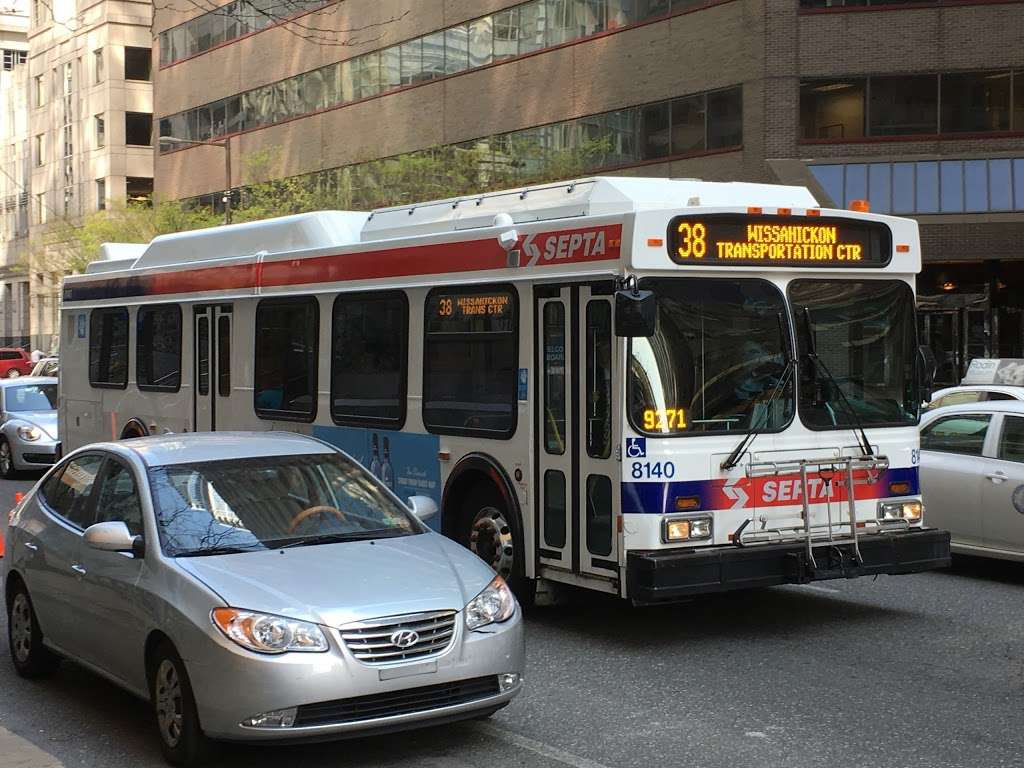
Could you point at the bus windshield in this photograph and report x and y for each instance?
(865, 339)
(715, 362)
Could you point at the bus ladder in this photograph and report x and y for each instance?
(843, 471)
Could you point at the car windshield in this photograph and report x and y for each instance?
(31, 397)
(236, 505)
(715, 360)
(865, 337)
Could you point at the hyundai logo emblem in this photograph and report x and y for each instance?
(404, 638)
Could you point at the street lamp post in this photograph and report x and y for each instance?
(225, 144)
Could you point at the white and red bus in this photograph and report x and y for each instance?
(647, 387)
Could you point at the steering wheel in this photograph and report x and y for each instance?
(319, 509)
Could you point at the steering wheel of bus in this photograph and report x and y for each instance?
(319, 509)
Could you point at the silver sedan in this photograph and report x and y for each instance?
(255, 587)
(28, 423)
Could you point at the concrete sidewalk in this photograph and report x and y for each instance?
(16, 752)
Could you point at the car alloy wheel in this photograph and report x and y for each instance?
(21, 628)
(168, 703)
(13, 373)
(490, 539)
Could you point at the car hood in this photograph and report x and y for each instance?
(334, 584)
(45, 420)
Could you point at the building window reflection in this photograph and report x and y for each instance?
(927, 186)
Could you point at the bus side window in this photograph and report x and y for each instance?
(158, 348)
(284, 385)
(108, 348)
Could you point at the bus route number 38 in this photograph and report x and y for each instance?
(652, 470)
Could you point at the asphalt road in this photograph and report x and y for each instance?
(924, 670)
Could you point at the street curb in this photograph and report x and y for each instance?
(16, 752)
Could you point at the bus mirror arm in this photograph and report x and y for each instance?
(926, 365)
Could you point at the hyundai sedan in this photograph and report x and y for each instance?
(255, 587)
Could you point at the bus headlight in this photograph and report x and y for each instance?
(910, 511)
(676, 529)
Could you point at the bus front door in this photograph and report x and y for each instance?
(211, 364)
(578, 501)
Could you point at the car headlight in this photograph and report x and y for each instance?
(889, 511)
(30, 433)
(265, 633)
(686, 529)
(495, 603)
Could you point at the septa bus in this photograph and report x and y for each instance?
(653, 388)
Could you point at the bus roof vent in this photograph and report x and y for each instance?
(303, 231)
(115, 256)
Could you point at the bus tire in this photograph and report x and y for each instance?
(493, 532)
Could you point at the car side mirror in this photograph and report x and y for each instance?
(636, 313)
(926, 367)
(114, 537)
(423, 507)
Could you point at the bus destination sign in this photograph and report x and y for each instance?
(722, 239)
(470, 312)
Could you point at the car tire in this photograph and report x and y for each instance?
(7, 470)
(175, 716)
(13, 373)
(31, 658)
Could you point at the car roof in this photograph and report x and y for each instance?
(1007, 389)
(1015, 407)
(20, 380)
(192, 447)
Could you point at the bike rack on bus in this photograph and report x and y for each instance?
(842, 471)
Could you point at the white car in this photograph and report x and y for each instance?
(974, 393)
(972, 476)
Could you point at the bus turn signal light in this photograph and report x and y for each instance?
(686, 503)
(902, 248)
(861, 206)
(899, 489)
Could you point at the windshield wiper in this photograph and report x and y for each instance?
(218, 551)
(334, 538)
(812, 354)
(737, 453)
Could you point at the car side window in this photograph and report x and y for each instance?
(118, 498)
(957, 398)
(1011, 442)
(963, 433)
(68, 493)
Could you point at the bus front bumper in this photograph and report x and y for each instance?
(655, 576)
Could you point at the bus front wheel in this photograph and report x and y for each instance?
(492, 534)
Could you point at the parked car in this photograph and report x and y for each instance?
(255, 587)
(979, 393)
(28, 424)
(972, 476)
(14, 362)
(48, 366)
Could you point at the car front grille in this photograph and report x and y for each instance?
(400, 638)
(406, 702)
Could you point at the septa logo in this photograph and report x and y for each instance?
(573, 245)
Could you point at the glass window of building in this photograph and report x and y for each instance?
(412, 61)
(138, 128)
(832, 109)
(101, 131)
(433, 56)
(531, 26)
(456, 49)
(975, 102)
(137, 63)
(481, 42)
(725, 118)
(38, 149)
(654, 130)
(506, 34)
(101, 194)
(40, 91)
(97, 59)
(688, 124)
(904, 104)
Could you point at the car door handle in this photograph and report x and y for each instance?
(31, 546)
(78, 569)
(997, 477)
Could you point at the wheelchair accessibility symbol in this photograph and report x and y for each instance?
(636, 447)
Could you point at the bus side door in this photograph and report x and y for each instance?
(211, 330)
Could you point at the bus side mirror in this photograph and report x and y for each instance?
(926, 367)
(636, 313)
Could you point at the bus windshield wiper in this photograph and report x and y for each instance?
(816, 362)
(737, 453)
